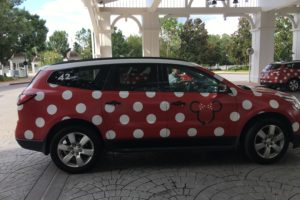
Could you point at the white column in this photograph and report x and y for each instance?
(296, 38)
(262, 43)
(103, 38)
(151, 29)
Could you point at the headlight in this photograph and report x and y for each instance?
(293, 100)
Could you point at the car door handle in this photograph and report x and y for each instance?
(178, 103)
(113, 103)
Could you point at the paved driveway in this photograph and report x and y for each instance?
(173, 175)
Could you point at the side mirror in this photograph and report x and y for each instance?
(222, 88)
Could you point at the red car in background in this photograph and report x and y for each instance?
(284, 75)
(73, 110)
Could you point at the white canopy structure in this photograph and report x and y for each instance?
(260, 13)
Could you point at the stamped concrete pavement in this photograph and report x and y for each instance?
(154, 176)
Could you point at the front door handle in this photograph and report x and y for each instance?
(113, 103)
(178, 103)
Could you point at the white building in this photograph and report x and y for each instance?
(260, 13)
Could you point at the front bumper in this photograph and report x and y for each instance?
(296, 140)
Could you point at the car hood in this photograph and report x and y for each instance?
(258, 91)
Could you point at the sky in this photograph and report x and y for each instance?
(71, 16)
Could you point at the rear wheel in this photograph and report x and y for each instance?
(293, 85)
(266, 141)
(75, 149)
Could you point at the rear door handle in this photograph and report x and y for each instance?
(178, 103)
(113, 103)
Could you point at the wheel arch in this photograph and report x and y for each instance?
(65, 123)
(267, 115)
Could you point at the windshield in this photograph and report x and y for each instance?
(272, 67)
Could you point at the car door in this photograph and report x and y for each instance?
(131, 105)
(201, 107)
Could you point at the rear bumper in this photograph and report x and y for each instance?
(32, 145)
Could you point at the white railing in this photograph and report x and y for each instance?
(172, 4)
(125, 4)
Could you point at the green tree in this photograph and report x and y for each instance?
(58, 42)
(22, 31)
(283, 39)
(194, 41)
(50, 57)
(170, 37)
(241, 41)
(119, 45)
(83, 44)
(134, 44)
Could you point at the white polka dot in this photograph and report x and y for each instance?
(233, 92)
(179, 117)
(234, 116)
(192, 132)
(96, 94)
(28, 135)
(218, 77)
(124, 119)
(204, 94)
(151, 118)
(51, 109)
(123, 94)
(138, 133)
(53, 85)
(137, 106)
(39, 96)
(66, 117)
(274, 104)
(178, 94)
(164, 105)
(66, 95)
(109, 108)
(80, 108)
(97, 120)
(295, 126)
(20, 107)
(110, 135)
(247, 105)
(219, 131)
(150, 94)
(165, 132)
(258, 94)
(40, 122)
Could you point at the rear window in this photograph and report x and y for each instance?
(272, 67)
(85, 78)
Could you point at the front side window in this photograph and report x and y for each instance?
(133, 77)
(185, 79)
(85, 77)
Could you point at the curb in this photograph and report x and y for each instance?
(19, 83)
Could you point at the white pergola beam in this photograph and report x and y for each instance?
(182, 11)
(154, 5)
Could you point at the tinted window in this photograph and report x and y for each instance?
(133, 77)
(296, 65)
(86, 78)
(186, 79)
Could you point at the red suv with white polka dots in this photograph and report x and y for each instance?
(73, 110)
(285, 75)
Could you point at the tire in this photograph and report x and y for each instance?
(293, 85)
(75, 149)
(266, 141)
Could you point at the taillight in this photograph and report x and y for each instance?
(23, 98)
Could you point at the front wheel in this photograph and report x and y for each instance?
(293, 85)
(266, 141)
(75, 149)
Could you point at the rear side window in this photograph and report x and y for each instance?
(84, 77)
(133, 77)
(296, 65)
